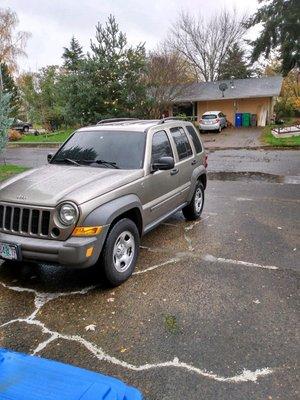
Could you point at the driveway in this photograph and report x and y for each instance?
(210, 313)
(233, 138)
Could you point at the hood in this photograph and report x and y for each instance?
(51, 184)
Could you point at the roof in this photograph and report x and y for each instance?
(138, 125)
(269, 86)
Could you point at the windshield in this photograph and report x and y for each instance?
(209, 116)
(108, 149)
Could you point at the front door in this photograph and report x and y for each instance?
(163, 194)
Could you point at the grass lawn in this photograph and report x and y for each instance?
(59, 136)
(268, 138)
(8, 170)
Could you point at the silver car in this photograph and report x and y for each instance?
(213, 121)
(104, 188)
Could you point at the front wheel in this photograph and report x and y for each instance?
(121, 251)
(194, 209)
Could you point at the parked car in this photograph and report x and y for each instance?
(19, 125)
(103, 189)
(212, 121)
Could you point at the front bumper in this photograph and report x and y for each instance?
(209, 127)
(70, 253)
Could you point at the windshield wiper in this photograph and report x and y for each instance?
(70, 161)
(102, 162)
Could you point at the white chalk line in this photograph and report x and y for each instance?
(41, 298)
(209, 257)
(244, 376)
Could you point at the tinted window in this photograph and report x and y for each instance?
(209, 116)
(182, 143)
(191, 130)
(161, 146)
(124, 148)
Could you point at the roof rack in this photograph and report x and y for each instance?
(109, 120)
(163, 120)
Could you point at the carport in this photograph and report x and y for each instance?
(255, 96)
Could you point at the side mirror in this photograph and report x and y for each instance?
(164, 163)
(49, 157)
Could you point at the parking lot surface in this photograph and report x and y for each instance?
(210, 313)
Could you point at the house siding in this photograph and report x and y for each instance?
(230, 107)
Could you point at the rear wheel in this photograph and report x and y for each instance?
(121, 251)
(194, 209)
(26, 129)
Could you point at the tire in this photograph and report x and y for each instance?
(119, 262)
(12, 263)
(25, 129)
(194, 209)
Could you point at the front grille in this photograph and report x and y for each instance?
(24, 220)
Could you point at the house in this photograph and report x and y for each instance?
(253, 95)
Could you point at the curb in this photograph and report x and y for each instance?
(253, 148)
(33, 144)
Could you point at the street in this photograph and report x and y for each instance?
(211, 311)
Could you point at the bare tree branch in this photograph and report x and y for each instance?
(204, 43)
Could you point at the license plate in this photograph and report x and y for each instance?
(9, 251)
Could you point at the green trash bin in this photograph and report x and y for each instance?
(246, 119)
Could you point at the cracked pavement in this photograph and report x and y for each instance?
(210, 313)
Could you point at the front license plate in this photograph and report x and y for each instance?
(9, 251)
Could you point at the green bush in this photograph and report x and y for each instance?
(284, 108)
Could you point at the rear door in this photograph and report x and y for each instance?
(185, 160)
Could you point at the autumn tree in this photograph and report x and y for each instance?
(12, 42)
(167, 72)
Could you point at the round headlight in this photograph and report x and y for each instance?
(68, 214)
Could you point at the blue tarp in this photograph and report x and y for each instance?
(24, 377)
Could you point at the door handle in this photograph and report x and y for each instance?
(194, 162)
(174, 171)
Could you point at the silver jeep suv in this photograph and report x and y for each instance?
(103, 189)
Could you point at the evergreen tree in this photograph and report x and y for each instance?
(280, 20)
(73, 56)
(5, 120)
(234, 65)
(9, 86)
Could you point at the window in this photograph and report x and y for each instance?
(182, 143)
(124, 148)
(209, 116)
(191, 130)
(161, 146)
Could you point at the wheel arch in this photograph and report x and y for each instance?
(108, 214)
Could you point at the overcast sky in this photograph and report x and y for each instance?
(53, 22)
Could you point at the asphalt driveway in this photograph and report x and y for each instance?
(233, 138)
(210, 313)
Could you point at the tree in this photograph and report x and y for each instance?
(204, 42)
(114, 71)
(12, 43)
(234, 64)
(166, 75)
(73, 56)
(5, 120)
(280, 20)
(40, 95)
(9, 86)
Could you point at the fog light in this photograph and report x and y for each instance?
(87, 230)
(89, 251)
